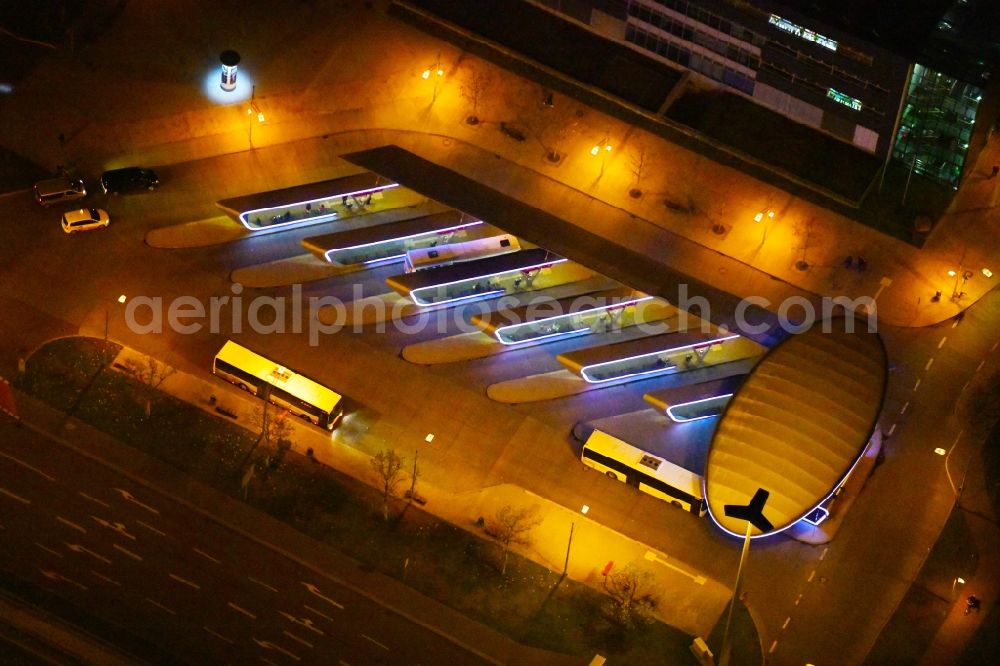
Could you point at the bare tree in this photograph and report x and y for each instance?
(632, 599)
(512, 526)
(808, 236)
(388, 468)
(473, 89)
(638, 164)
(150, 372)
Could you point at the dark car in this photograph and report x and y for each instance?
(129, 179)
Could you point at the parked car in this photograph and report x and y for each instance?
(57, 190)
(85, 219)
(129, 179)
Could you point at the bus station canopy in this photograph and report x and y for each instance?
(797, 425)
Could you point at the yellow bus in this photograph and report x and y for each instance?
(658, 477)
(278, 385)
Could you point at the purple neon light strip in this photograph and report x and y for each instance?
(478, 277)
(398, 239)
(596, 309)
(675, 419)
(583, 371)
(245, 215)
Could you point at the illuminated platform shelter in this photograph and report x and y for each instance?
(386, 243)
(796, 428)
(471, 280)
(694, 402)
(653, 355)
(312, 203)
(554, 319)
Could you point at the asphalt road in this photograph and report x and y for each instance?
(187, 588)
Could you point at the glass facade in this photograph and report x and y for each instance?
(936, 124)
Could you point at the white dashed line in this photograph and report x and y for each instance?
(49, 550)
(70, 523)
(787, 620)
(905, 407)
(980, 366)
(218, 635)
(917, 385)
(137, 558)
(930, 362)
(185, 581)
(206, 556)
(238, 609)
(94, 500)
(151, 528)
(811, 576)
(822, 555)
(798, 599)
(262, 584)
(105, 578)
(941, 344)
(14, 497)
(316, 612)
(159, 605)
(26, 465)
(372, 640)
(773, 645)
(297, 639)
(892, 429)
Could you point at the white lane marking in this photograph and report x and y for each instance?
(70, 523)
(77, 548)
(917, 385)
(117, 527)
(26, 465)
(994, 347)
(905, 407)
(54, 576)
(159, 605)
(964, 386)
(930, 362)
(955, 323)
(129, 497)
(787, 620)
(315, 590)
(343, 663)
(369, 638)
(105, 578)
(271, 646)
(239, 609)
(11, 495)
(653, 557)
(262, 584)
(798, 599)
(811, 576)
(297, 639)
(218, 635)
(311, 610)
(185, 581)
(892, 429)
(822, 555)
(137, 558)
(773, 645)
(980, 366)
(206, 556)
(93, 499)
(941, 344)
(303, 621)
(49, 550)
(267, 661)
(151, 528)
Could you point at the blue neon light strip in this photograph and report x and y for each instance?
(413, 294)
(593, 310)
(679, 419)
(309, 220)
(583, 371)
(398, 240)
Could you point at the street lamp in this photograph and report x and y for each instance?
(107, 315)
(958, 292)
(252, 109)
(437, 71)
(767, 212)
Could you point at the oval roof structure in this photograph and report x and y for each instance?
(796, 427)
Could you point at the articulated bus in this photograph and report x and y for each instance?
(444, 255)
(656, 476)
(278, 385)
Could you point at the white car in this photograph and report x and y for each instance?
(85, 219)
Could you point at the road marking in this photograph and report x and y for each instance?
(905, 407)
(315, 590)
(297, 639)
(369, 638)
(105, 578)
(206, 556)
(117, 527)
(24, 464)
(70, 523)
(185, 581)
(980, 366)
(159, 605)
(218, 635)
(994, 347)
(305, 622)
(94, 500)
(811, 576)
(823, 554)
(654, 557)
(773, 645)
(308, 608)
(892, 429)
(151, 528)
(343, 663)
(271, 646)
(77, 548)
(49, 550)
(262, 584)
(268, 661)
(787, 620)
(238, 609)
(52, 575)
(798, 599)
(129, 497)
(14, 497)
(917, 385)
(947, 456)
(930, 362)
(137, 558)
(941, 344)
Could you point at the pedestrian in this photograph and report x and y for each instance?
(972, 604)
(849, 262)
(995, 171)
(862, 265)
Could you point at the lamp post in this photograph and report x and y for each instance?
(107, 316)
(251, 110)
(958, 292)
(435, 71)
(601, 148)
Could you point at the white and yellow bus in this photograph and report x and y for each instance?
(639, 469)
(278, 385)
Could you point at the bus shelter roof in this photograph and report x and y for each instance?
(471, 270)
(340, 240)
